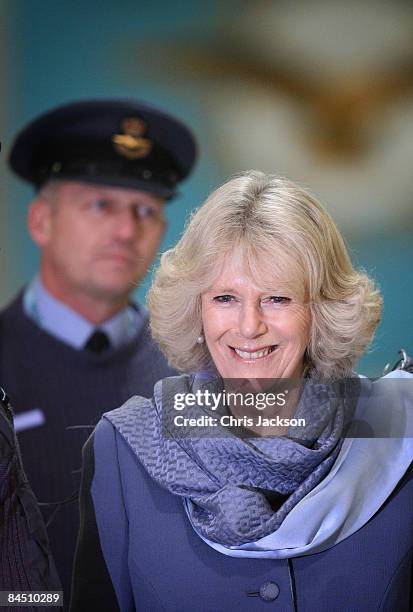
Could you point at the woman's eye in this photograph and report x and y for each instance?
(277, 299)
(223, 299)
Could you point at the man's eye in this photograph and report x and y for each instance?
(145, 212)
(100, 204)
(223, 299)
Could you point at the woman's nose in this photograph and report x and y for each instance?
(251, 323)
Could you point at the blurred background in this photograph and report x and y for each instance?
(318, 91)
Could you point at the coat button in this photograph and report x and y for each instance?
(269, 591)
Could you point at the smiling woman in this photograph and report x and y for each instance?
(248, 331)
(277, 244)
(194, 500)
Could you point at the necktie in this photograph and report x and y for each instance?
(98, 342)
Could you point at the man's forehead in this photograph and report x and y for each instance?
(81, 189)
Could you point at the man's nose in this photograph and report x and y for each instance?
(127, 225)
(252, 322)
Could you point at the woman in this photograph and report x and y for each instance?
(191, 501)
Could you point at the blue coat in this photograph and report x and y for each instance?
(138, 551)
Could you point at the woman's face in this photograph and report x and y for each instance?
(251, 332)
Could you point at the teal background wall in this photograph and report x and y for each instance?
(53, 52)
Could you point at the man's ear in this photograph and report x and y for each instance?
(39, 221)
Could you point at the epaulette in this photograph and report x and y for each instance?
(404, 363)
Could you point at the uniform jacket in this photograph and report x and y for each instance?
(70, 389)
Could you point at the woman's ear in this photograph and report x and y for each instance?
(39, 221)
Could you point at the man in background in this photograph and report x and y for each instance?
(72, 344)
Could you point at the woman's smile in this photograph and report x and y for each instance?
(252, 355)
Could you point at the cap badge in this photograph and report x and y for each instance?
(132, 144)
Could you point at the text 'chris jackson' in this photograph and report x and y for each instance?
(210, 401)
(228, 420)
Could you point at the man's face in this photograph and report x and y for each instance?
(96, 241)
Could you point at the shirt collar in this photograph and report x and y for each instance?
(59, 320)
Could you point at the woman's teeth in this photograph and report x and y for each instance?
(256, 354)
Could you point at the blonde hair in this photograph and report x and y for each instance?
(277, 225)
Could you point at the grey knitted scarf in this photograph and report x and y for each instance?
(241, 488)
